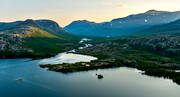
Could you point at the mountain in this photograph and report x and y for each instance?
(155, 11)
(46, 25)
(165, 29)
(54, 28)
(123, 26)
(34, 38)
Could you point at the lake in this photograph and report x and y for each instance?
(117, 82)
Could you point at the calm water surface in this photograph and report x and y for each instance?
(119, 82)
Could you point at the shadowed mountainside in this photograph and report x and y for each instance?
(165, 29)
(123, 26)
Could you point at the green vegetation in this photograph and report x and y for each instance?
(34, 39)
(164, 29)
(119, 52)
(36, 32)
(49, 46)
(39, 48)
(82, 66)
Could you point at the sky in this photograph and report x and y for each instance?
(66, 11)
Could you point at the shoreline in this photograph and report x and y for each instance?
(113, 63)
(118, 56)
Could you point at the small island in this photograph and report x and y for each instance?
(81, 66)
(99, 76)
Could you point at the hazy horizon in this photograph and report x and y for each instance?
(66, 11)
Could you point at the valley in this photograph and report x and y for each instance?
(154, 49)
(89, 48)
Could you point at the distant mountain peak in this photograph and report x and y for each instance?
(155, 11)
(83, 21)
(29, 22)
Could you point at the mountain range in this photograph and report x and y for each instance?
(34, 38)
(29, 27)
(123, 26)
(44, 38)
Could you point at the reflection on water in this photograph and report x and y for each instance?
(67, 58)
(118, 82)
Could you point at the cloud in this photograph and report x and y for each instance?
(120, 5)
(112, 4)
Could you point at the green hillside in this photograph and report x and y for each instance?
(166, 29)
(32, 39)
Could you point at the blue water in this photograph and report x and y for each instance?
(118, 82)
